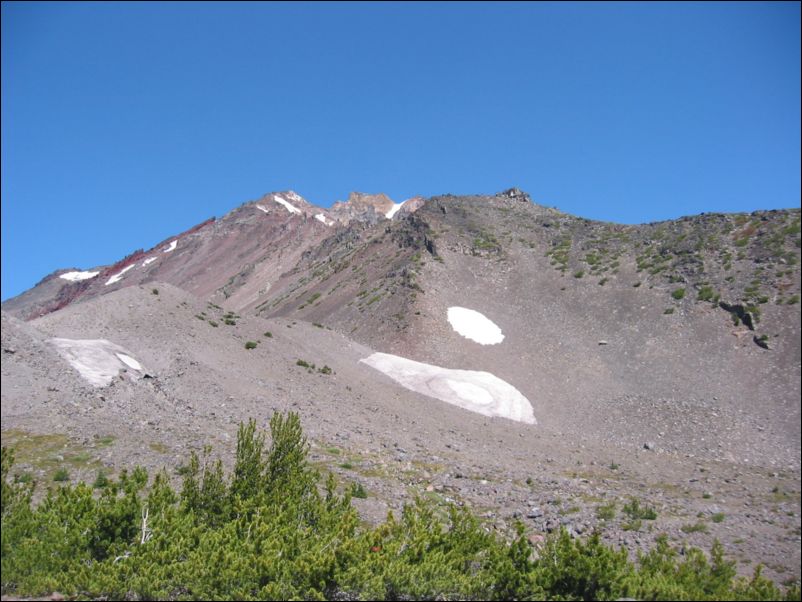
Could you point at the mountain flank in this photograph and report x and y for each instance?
(661, 361)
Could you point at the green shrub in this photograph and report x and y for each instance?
(101, 481)
(358, 491)
(678, 293)
(61, 475)
(268, 335)
(635, 511)
(706, 293)
(271, 530)
(606, 512)
(250, 345)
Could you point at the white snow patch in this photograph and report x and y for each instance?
(480, 392)
(76, 276)
(322, 218)
(293, 196)
(149, 260)
(393, 210)
(129, 361)
(475, 326)
(171, 247)
(97, 360)
(264, 209)
(118, 276)
(290, 208)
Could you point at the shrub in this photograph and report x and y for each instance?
(101, 481)
(268, 335)
(634, 510)
(579, 274)
(358, 491)
(706, 293)
(250, 345)
(61, 475)
(606, 512)
(678, 293)
(268, 531)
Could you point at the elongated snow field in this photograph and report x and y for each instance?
(480, 392)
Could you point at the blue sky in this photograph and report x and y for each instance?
(125, 123)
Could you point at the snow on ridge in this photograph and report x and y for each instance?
(322, 218)
(292, 195)
(290, 208)
(171, 246)
(480, 392)
(96, 360)
(394, 210)
(149, 260)
(264, 209)
(119, 275)
(474, 326)
(78, 276)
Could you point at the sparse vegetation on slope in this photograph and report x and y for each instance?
(268, 532)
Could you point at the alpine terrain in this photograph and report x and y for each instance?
(480, 350)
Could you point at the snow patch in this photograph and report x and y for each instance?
(263, 209)
(96, 360)
(149, 260)
(171, 246)
(322, 218)
(475, 326)
(293, 196)
(118, 276)
(129, 361)
(393, 210)
(290, 208)
(480, 392)
(77, 276)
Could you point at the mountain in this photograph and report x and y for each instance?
(481, 349)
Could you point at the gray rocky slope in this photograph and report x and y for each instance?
(687, 401)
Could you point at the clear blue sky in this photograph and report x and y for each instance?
(125, 123)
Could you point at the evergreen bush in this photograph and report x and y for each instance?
(272, 530)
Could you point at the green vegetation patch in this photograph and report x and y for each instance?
(274, 529)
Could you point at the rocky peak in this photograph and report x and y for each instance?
(363, 207)
(516, 194)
